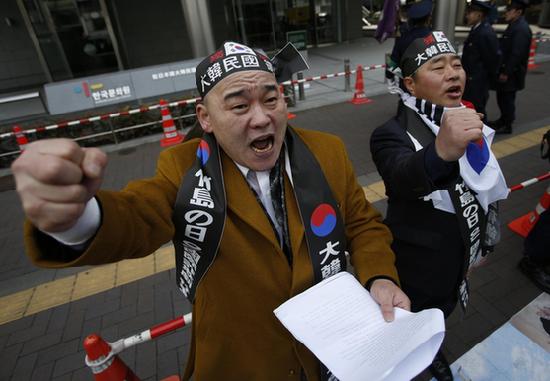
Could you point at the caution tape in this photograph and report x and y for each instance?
(532, 181)
(101, 117)
(334, 75)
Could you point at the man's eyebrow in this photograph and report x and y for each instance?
(234, 94)
(269, 88)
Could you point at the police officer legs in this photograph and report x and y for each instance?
(506, 101)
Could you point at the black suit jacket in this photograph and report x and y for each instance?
(514, 45)
(427, 242)
(480, 60)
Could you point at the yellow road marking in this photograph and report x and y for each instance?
(103, 278)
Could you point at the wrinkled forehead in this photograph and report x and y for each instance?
(243, 83)
(443, 58)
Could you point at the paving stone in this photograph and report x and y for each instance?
(38, 328)
(137, 324)
(113, 293)
(472, 327)
(487, 310)
(43, 373)
(58, 319)
(55, 352)
(42, 342)
(64, 366)
(16, 325)
(103, 308)
(129, 358)
(167, 364)
(8, 359)
(73, 328)
(24, 367)
(171, 341)
(145, 300)
(118, 316)
(129, 294)
(84, 374)
(65, 377)
(91, 326)
(146, 360)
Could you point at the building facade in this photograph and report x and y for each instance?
(45, 41)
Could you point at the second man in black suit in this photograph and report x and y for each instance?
(480, 57)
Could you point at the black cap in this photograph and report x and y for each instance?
(518, 4)
(480, 5)
(417, 9)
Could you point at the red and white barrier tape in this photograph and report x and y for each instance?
(151, 333)
(327, 76)
(530, 182)
(101, 117)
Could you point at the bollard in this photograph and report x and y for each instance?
(348, 75)
(301, 92)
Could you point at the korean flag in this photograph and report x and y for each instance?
(235, 48)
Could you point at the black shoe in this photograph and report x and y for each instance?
(504, 129)
(536, 273)
(440, 368)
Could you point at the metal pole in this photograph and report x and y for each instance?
(112, 130)
(301, 93)
(445, 18)
(348, 77)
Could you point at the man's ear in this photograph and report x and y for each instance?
(409, 84)
(203, 117)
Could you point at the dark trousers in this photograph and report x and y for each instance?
(537, 243)
(507, 104)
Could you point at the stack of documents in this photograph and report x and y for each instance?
(342, 325)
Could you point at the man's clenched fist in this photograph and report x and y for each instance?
(55, 178)
(458, 128)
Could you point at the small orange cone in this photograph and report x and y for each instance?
(359, 97)
(524, 224)
(171, 135)
(290, 115)
(532, 50)
(22, 140)
(105, 365)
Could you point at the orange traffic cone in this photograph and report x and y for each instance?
(532, 50)
(22, 140)
(105, 365)
(524, 224)
(171, 134)
(290, 115)
(359, 96)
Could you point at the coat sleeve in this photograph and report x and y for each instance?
(367, 237)
(134, 222)
(403, 169)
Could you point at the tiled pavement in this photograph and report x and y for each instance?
(47, 345)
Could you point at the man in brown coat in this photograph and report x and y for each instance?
(258, 213)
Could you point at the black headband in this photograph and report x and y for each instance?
(234, 57)
(422, 50)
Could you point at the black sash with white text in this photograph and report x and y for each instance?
(471, 221)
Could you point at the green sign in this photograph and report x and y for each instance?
(298, 38)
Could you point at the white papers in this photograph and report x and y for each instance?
(342, 325)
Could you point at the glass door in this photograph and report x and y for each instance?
(72, 37)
